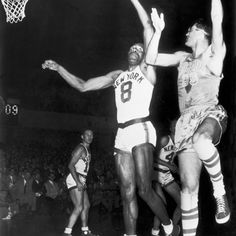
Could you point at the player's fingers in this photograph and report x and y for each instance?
(162, 16)
(154, 13)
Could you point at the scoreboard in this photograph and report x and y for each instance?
(9, 111)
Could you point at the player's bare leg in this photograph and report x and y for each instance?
(208, 133)
(173, 190)
(77, 200)
(156, 222)
(143, 156)
(126, 173)
(190, 169)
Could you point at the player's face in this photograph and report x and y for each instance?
(135, 55)
(88, 136)
(193, 35)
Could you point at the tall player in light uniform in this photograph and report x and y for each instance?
(136, 135)
(202, 119)
(76, 183)
(163, 168)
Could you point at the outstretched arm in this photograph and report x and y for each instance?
(159, 25)
(146, 22)
(217, 19)
(152, 55)
(218, 45)
(95, 83)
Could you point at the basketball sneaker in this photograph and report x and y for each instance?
(8, 217)
(175, 231)
(222, 210)
(88, 233)
(155, 232)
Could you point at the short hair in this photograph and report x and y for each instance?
(201, 24)
(85, 130)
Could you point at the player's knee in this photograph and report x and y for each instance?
(200, 138)
(143, 190)
(190, 184)
(128, 193)
(86, 207)
(77, 210)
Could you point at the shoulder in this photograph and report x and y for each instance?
(149, 71)
(79, 149)
(114, 74)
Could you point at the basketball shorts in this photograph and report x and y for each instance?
(70, 182)
(190, 120)
(133, 135)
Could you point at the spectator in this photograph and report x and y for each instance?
(52, 193)
(24, 192)
(37, 188)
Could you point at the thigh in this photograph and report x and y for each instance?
(85, 198)
(211, 128)
(143, 158)
(76, 196)
(158, 190)
(173, 190)
(125, 170)
(190, 169)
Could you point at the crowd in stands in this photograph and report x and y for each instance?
(32, 181)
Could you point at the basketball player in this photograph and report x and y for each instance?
(163, 179)
(136, 136)
(202, 119)
(76, 183)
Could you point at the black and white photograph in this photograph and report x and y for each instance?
(118, 117)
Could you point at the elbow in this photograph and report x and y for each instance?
(81, 88)
(150, 62)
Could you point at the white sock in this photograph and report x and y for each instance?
(168, 228)
(189, 207)
(85, 228)
(67, 230)
(155, 232)
(210, 156)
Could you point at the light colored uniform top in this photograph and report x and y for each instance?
(166, 154)
(133, 94)
(82, 165)
(197, 86)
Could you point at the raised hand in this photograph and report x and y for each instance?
(50, 64)
(157, 21)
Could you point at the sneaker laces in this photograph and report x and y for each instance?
(220, 204)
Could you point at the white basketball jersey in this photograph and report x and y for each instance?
(82, 165)
(133, 94)
(167, 154)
